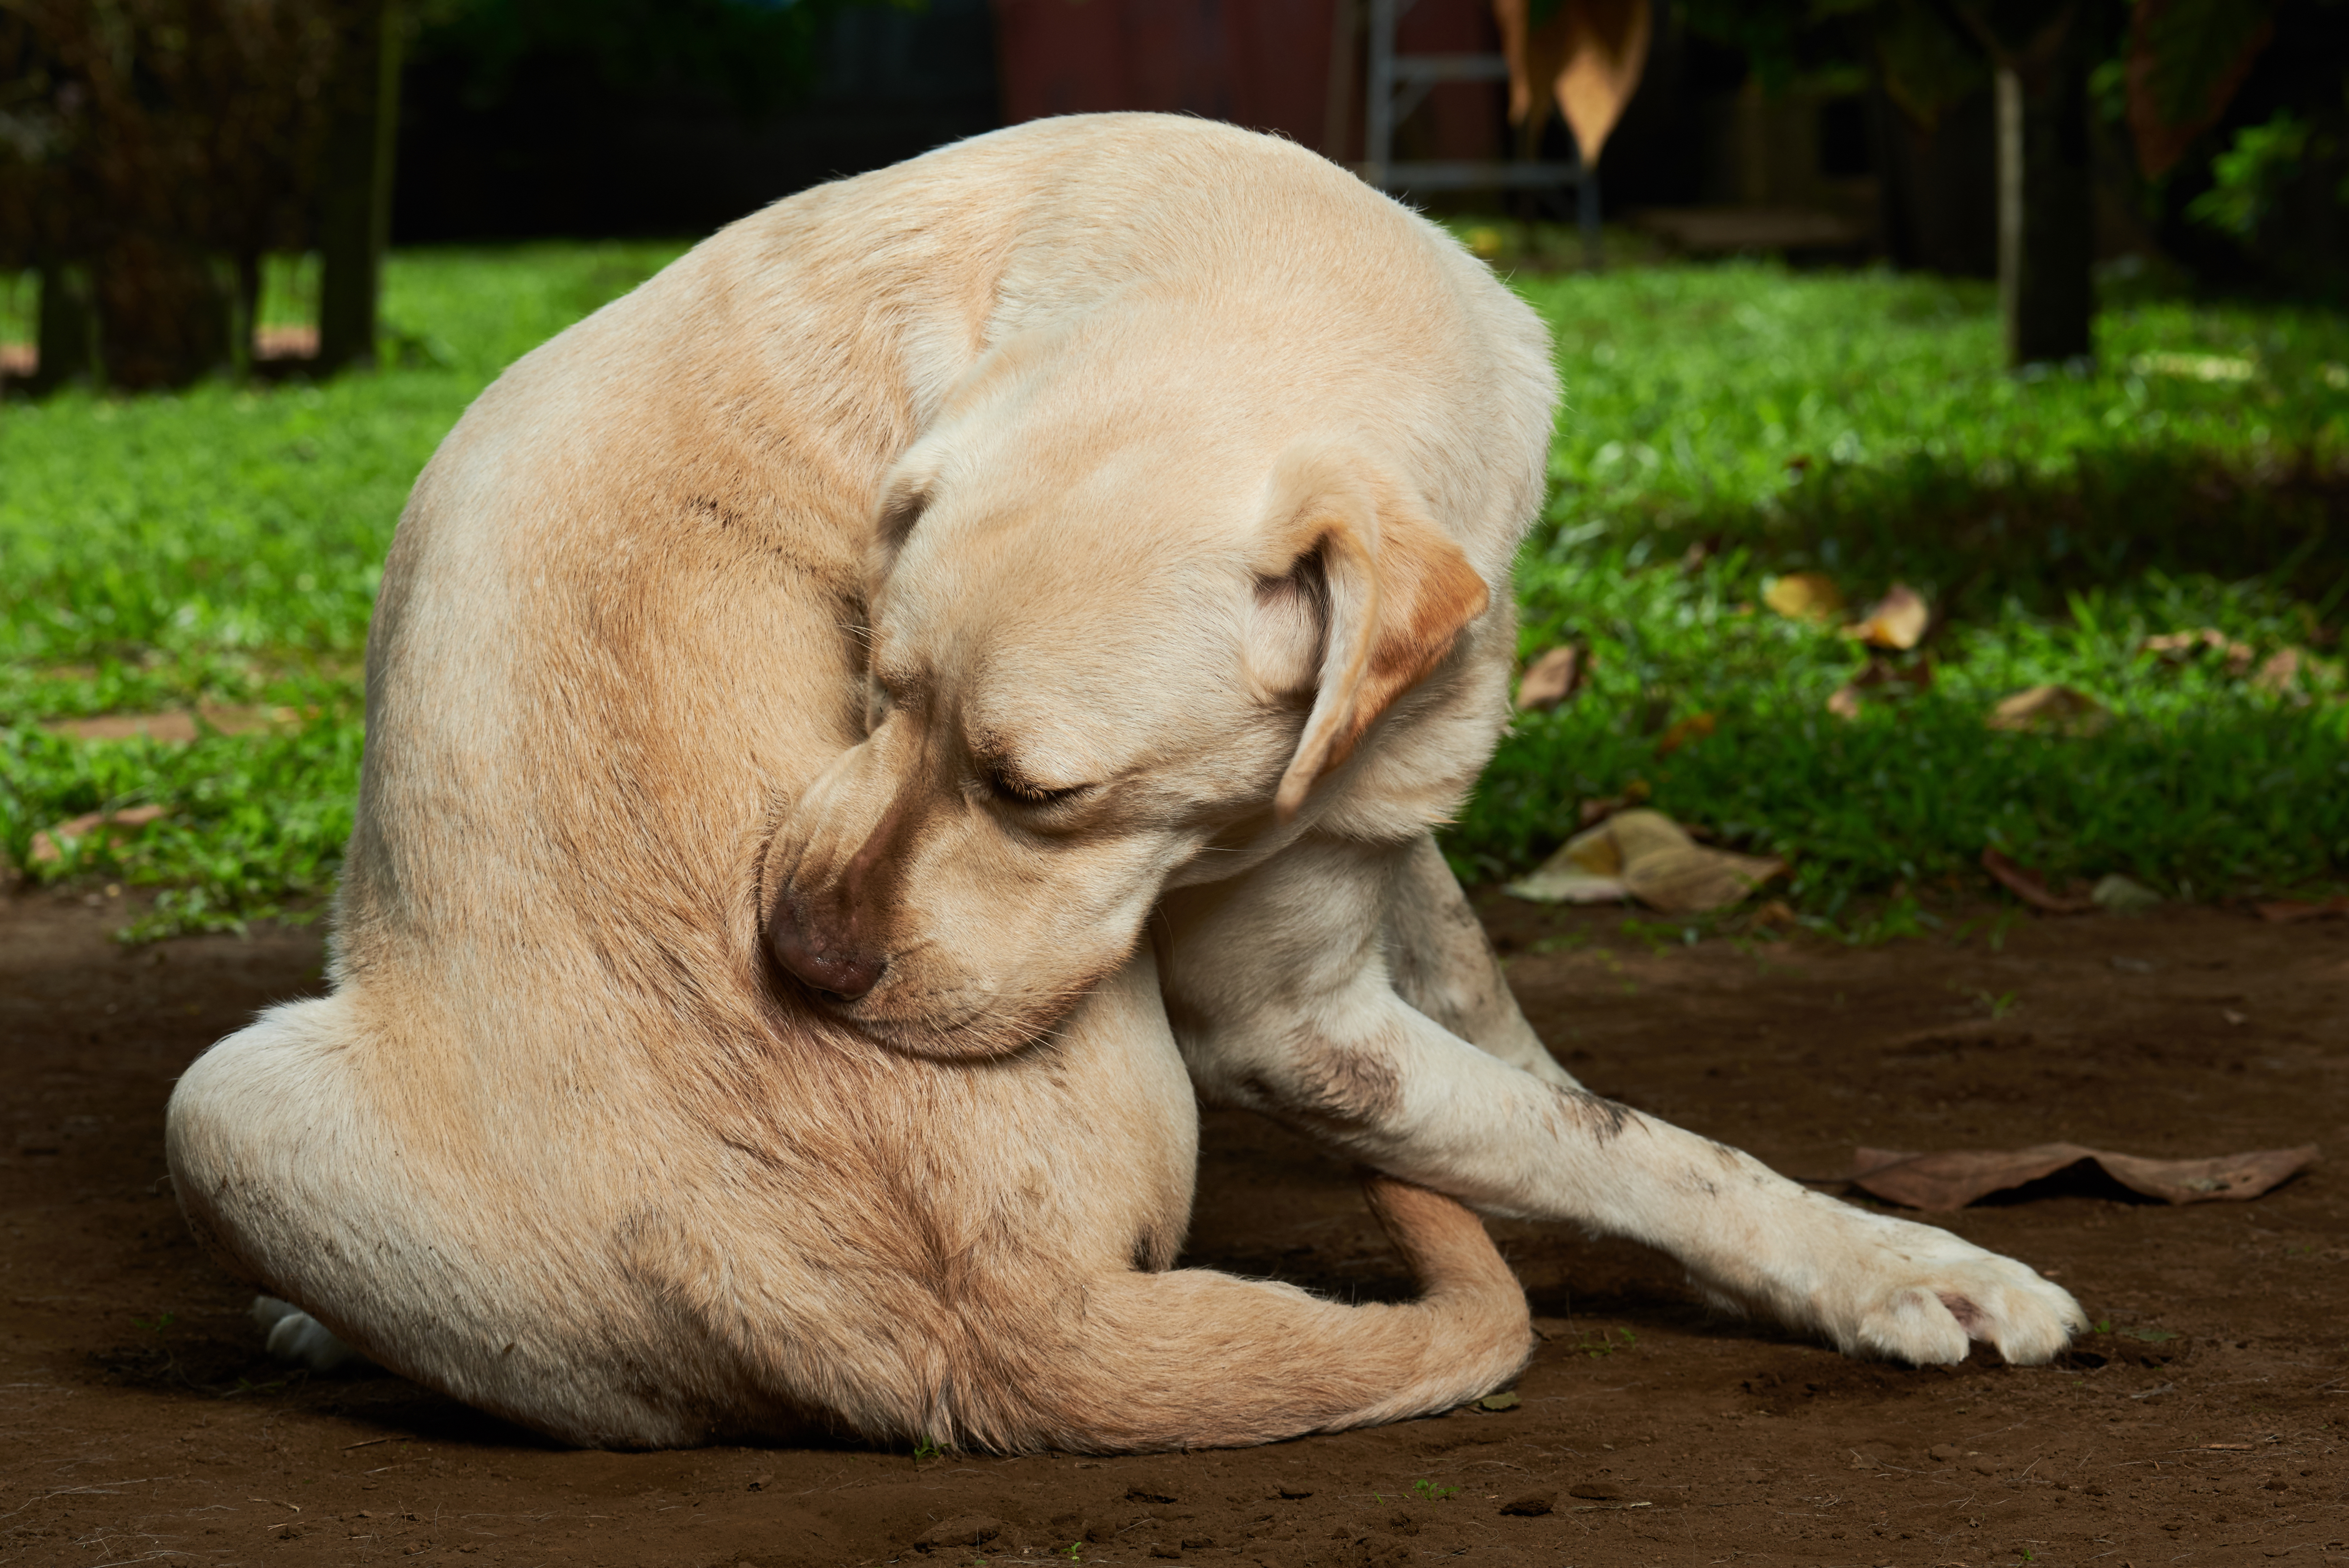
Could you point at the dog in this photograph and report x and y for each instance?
(861, 731)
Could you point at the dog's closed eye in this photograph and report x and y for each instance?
(1005, 782)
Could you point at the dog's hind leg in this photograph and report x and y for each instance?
(373, 1233)
(1193, 1358)
(1441, 963)
(298, 1339)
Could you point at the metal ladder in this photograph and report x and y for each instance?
(1400, 82)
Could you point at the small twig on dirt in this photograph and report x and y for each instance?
(372, 1441)
(295, 1506)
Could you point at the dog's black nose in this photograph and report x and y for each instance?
(834, 970)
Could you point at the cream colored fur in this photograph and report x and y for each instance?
(794, 691)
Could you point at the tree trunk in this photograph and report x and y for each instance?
(354, 203)
(163, 312)
(2046, 225)
(68, 330)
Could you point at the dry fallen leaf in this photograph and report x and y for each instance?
(172, 728)
(1686, 732)
(1896, 621)
(2050, 708)
(1645, 855)
(2027, 885)
(2280, 672)
(1893, 680)
(2123, 895)
(49, 845)
(1554, 677)
(2177, 647)
(1804, 596)
(1954, 1179)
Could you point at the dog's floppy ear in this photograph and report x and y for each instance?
(1398, 591)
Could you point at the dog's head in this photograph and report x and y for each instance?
(1102, 659)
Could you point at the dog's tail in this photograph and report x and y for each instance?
(1193, 1358)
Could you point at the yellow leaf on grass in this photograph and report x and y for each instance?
(1645, 855)
(2050, 708)
(2280, 672)
(1896, 621)
(1552, 678)
(1686, 732)
(172, 728)
(1883, 677)
(48, 846)
(1804, 596)
(2177, 647)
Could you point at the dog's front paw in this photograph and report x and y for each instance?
(1917, 1294)
(299, 1339)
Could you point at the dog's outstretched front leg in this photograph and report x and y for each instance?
(1279, 988)
(1441, 963)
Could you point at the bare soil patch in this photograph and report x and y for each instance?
(139, 1422)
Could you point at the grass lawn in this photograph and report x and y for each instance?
(218, 551)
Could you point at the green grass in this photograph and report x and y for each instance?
(224, 546)
(2054, 521)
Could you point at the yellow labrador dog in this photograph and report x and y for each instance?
(858, 731)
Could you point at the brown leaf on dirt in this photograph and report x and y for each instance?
(1956, 1177)
(2027, 885)
(172, 728)
(1882, 674)
(1686, 732)
(1590, 55)
(1804, 596)
(2177, 647)
(1553, 678)
(2286, 911)
(2051, 708)
(49, 845)
(1647, 856)
(1896, 621)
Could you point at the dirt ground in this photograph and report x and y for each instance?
(2205, 1424)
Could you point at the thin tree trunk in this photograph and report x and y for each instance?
(2046, 230)
(355, 205)
(68, 342)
